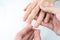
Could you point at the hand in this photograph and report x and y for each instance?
(39, 19)
(29, 8)
(33, 13)
(54, 23)
(28, 33)
(52, 10)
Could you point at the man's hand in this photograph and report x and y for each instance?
(28, 33)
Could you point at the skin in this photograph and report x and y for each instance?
(28, 33)
(29, 8)
(40, 14)
(54, 25)
(52, 10)
(55, 20)
(32, 13)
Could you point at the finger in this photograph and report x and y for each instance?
(37, 35)
(35, 18)
(29, 9)
(27, 36)
(27, 6)
(51, 25)
(18, 37)
(46, 20)
(33, 1)
(49, 9)
(27, 29)
(40, 19)
(31, 37)
(33, 14)
(55, 22)
(48, 25)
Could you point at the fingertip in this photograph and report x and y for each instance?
(27, 7)
(36, 25)
(24, 9)
(28, 25)
(47, 18)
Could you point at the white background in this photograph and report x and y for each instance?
(11, 12)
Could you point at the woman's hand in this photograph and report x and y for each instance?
(29, 8)
(44, 17)
(54, 22)
(28, 33)
(36, 13)
(52, 10)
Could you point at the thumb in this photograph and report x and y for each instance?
(49, 9)
(37, 35)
